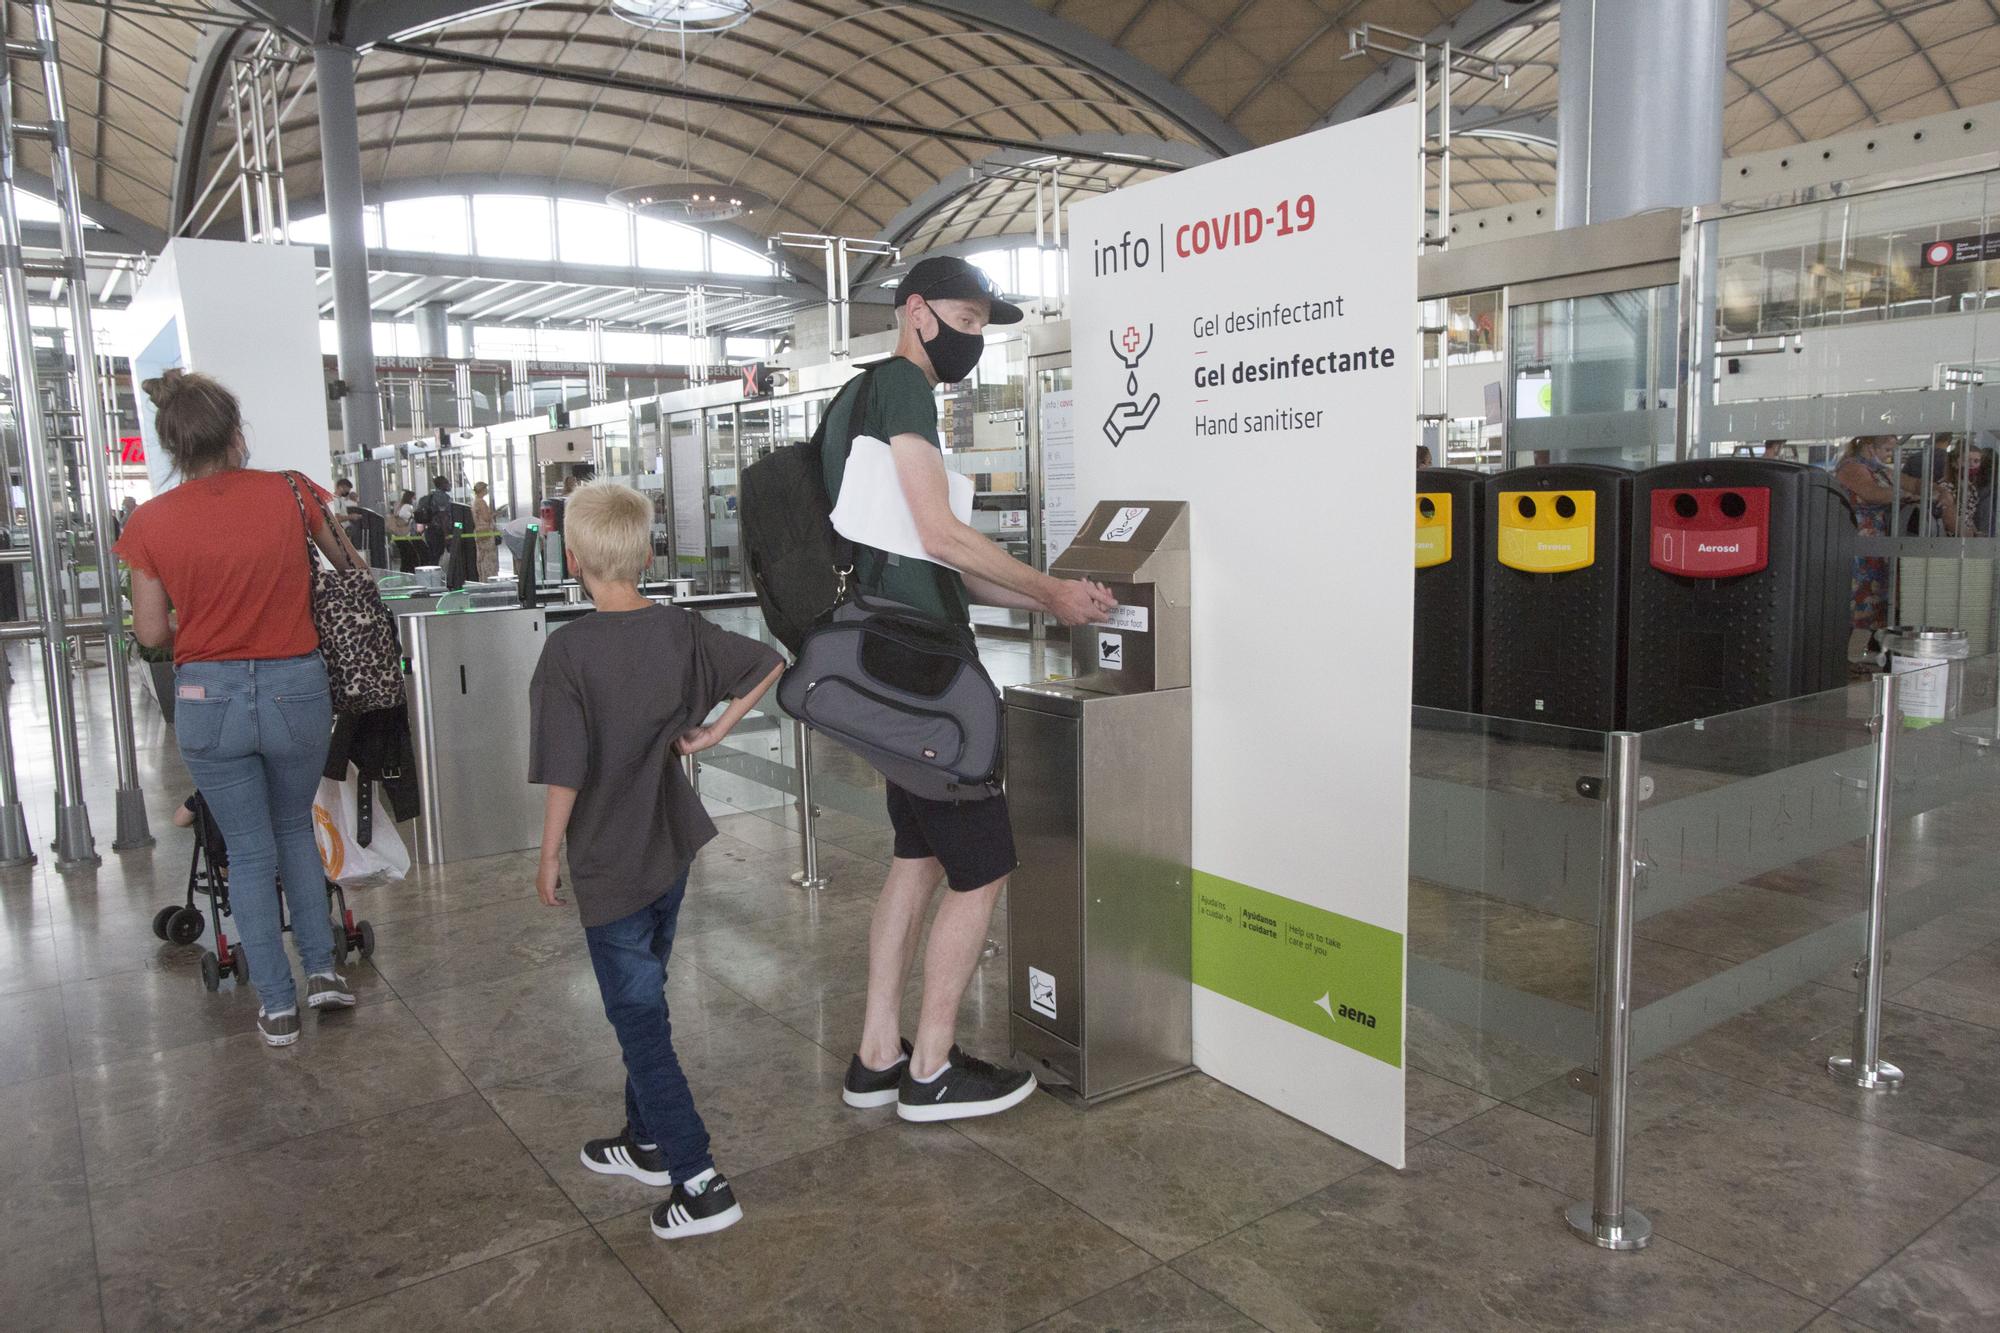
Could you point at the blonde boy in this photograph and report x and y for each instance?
(618, 696)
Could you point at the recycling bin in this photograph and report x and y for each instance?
(1557, 563)
(1740, 587)
(1451, 525)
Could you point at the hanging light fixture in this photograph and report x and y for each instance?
(683, 15)
(687, 201)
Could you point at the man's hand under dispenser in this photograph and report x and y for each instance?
(992, 577)
(1080, 602)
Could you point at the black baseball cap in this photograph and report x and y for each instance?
(947, 278)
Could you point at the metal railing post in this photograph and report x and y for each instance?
(1866, 1068)
(808, 877)
(74, 844)
(16, 848)
(1607, 1220)
(96, 407)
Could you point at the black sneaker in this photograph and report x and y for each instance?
(697, 1208)
(873, 1087)
(967, 1087)
(622, 1157)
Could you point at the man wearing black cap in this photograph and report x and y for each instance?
(942, 307)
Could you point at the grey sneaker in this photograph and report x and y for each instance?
(328, 990)
(279, 1029)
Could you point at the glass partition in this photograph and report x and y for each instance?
(1506, 834)
(1593, 378)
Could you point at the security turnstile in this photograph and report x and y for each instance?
(1100, 778)
(1741, 574)
(1557, 561)
(1450, 560)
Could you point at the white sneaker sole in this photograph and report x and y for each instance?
(707, 1226)
(330, 1001)
(966, 1110)
(864, 1100)
(279, 1039)
(610, 1169)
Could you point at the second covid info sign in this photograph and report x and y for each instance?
(1244, 338)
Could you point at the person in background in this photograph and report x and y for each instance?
(483, 521)
(124, 514)
(1867, 473)
(433, 515)
(401, 524)
(221, 572)
(1776, 450)
(1423, 455)
(1970, 474)
(617, 698)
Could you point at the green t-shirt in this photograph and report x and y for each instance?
(901, 403)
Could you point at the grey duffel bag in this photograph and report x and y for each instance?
(904, 691)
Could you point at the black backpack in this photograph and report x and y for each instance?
(796, 559)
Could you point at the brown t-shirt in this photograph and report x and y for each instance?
(612, 693)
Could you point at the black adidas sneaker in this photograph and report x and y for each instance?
(703, 1205)
(622, 1157)
(966, 1087)
(873, 1087)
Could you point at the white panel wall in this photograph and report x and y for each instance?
(248, 315)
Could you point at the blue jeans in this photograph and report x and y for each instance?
(630, 957)
(255, 741)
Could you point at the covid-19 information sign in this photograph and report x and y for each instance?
(1245, 339)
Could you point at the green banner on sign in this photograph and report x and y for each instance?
(1315, 969)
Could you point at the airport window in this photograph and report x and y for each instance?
(593, 233)
(729, 257)
(506, 226)
(437, 225)
(665, 245)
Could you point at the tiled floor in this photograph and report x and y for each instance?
(412, 1163)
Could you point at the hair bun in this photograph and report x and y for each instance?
(164, 386)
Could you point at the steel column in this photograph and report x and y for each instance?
(340, 162)
(1628, 68)
(132, 830)
(1607, 1220)
(74, 845)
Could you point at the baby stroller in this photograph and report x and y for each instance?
(208, 874)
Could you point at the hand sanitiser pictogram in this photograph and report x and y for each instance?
(1130, 414)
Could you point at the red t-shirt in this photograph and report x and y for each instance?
(230, 549)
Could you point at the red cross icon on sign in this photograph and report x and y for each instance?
(1131, 338)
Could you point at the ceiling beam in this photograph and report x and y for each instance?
(1392, 82)
(1128, 73)
(421, 264)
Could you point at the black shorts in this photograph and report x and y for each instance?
(972, 840)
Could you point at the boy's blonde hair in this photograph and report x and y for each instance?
(608, 529)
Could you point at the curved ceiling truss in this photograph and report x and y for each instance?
(1204, 78)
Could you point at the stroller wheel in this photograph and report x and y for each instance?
(185, 926)
(343, 946)
(367, 934)
(211, 970)
(161, 919)
(239, 965)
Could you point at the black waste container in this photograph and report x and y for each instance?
(1451, 522)
(1741, 572)
(1558, 550)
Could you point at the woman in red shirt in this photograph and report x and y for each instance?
(221, 572)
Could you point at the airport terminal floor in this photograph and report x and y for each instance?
(412, 1162)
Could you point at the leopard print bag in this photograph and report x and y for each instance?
(357, 633)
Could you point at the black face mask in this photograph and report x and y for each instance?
(953, 354)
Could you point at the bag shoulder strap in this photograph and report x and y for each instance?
(305, 522)
(340, 537)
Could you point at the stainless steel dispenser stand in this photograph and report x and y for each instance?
(1100, 777)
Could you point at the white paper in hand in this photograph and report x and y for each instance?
(872, 510)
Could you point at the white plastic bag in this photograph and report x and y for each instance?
(334, 819)
(872, 509)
